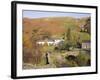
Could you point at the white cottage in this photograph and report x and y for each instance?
(57, 41)
(50, 41)
(41, 42)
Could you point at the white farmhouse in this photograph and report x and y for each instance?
(41, 42)
(57, 41)
(50, 41)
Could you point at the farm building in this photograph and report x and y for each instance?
(49, 41)
(86, 44)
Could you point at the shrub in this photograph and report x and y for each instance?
(83, 59)
(63, 46)
(71, 61)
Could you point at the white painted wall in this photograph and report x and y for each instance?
(5, 40)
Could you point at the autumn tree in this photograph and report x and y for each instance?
(46, 34)
(38, 34)
(37, 55)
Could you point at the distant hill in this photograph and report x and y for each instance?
(54, 25)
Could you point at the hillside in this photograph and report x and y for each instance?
(55, 25)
